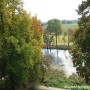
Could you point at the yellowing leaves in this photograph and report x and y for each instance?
(36, 28)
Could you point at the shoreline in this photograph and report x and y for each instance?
(60, 47)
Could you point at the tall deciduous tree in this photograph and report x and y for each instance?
(15, 52)
(81, 47)
(35, 71)
(54, 27)
(20, 46)
(48, 38)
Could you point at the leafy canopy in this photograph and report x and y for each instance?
(20, 45)
(81, 47)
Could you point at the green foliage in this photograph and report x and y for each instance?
(54, 26)
(57, 78)
(65, 38)
(81, 47)
(48, 38)
(20, 45)
(35, 71)
(53, 29)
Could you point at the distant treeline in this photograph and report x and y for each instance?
(69, 21)
(63, 22)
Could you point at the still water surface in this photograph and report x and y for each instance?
(62, 59)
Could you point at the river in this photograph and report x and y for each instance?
(62, 60)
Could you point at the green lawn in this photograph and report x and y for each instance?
(61, 40)
(70, 25)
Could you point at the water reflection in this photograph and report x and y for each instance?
(62, 59)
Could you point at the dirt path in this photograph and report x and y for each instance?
(50, 88)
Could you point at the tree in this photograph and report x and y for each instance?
(69, 32)
(48, 39)
(36, 70)
(20, 46)
(54, 27)
(15, 51)
(81, 48)
(64, 35)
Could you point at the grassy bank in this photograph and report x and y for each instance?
(56, 78)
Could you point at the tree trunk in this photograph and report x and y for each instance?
(47, 45)
(56, 41)
(64, 41)
(68, 41)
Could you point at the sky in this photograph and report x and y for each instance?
(52, 9)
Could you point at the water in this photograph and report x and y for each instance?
(62, 59)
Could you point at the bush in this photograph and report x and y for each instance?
(57, 78)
